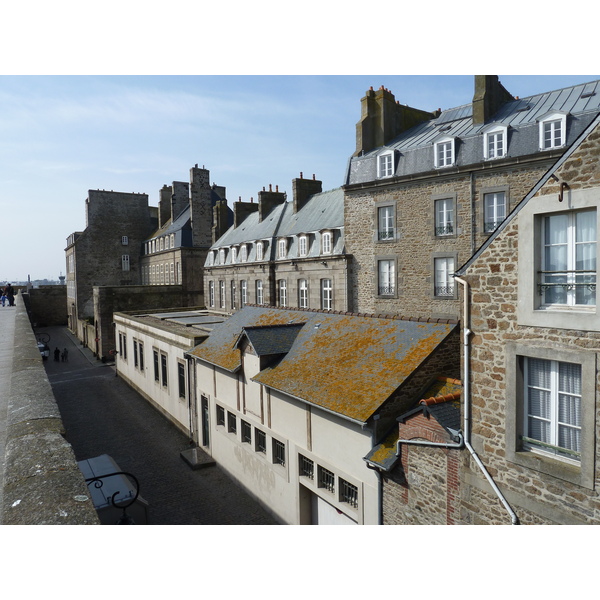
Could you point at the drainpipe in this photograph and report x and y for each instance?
(467, 403)
(473, 220)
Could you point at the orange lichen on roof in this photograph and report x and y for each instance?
(353, 364)
(386, 450)
(443, 389)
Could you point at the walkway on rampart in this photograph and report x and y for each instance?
(103, 415)
(7, 334)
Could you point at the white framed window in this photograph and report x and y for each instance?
(385, 164)
(282, 292)
(259, 291)
(444, 152)
(125, 262)
(326, 242)
(162, 274)
(282, 248)
(233, 295)
(259, 250)
(181, 378)
(552, 420)
(553, 131)
(303, 293)
(162, 243)
(443, 277)
(568, 274)
(210, 260)
(167, 239)
(222, 256)
(211, 294)
(222, 294)
(124, 240)
(326, 294)
(494, 141)
(302, 245)
(178, 272)
(385, 223)
(243, 253)
(172, 240)
(243, 293)
(172, 277)
(233, 255)
(153, 246)
(494, 210)
(444, 217)
(386, 277)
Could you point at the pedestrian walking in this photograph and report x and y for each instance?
(57, 355)
(65, 355)
(9, 292)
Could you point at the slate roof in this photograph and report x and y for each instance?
(346, 364)
(542, 181)
(415, 146)
(271, 339)
(322, 211)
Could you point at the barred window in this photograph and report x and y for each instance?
(220, 416)
(279, 453)
(260, 441)
(306, 467)
(231, 423)
(246, 432)
(348, 493)
(326, 479)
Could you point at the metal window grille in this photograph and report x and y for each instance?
(444, 290)
(260, 441)
(279, 453)
(141, 350)
(246, 432)
(135, 354)
(307, 467)
(326, 479)
(348, 493)
(220, 416)
(231, 423)
(156, 371)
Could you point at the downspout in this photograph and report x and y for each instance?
(473, 219)
(466, 378)
(191, 364)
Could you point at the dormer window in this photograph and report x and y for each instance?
(233, 256)
(162, 243)
(244, 253)
(444, 152)
(172, 240)
(385, 164)
(166, 242)
(211, 259)
(302, 245)
(326, 242)
(282, 248)
(553, 130)
(259, 250)
(222, 256)
(494, 142)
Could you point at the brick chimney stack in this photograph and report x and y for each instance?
(267, 200)
(303, 189)
(382, 119)
(489, 96)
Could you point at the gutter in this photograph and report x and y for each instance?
(467, 406)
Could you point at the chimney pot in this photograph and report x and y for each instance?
(276, 188)
(301, 175)
(270, 188)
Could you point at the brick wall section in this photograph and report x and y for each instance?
(415, 244)
(536, 497)
(423, 490)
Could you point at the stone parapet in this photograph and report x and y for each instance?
(42, 482)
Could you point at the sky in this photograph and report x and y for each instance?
(62, 135)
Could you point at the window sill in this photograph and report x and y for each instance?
(549, 465)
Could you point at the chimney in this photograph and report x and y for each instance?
(303, 189)
(268, 200)
(164, 205)
(201, 212)
(241, 210)
(179, 198)
(489, 96)
(221, 219)
(382, 119)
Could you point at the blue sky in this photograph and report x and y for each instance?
(63, 135)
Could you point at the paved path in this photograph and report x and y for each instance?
(7, 335)
(103, 415)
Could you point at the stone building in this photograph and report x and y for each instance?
(129, 248)
(279, 253)
(530, 428)
(189, 216)
(106, 252)
(424, 190)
